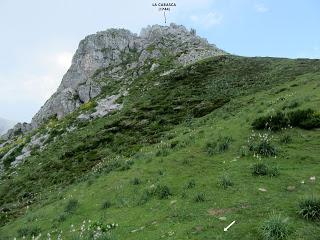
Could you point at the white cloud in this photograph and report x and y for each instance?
(207, 20)
(32, 86)
(261, 8)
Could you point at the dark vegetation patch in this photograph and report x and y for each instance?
(261, 169)
(303, 118)
(28, 232)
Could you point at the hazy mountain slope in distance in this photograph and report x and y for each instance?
(5, 125)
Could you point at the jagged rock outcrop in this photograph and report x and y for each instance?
(103, 108)
(19, 128)
(120, 51)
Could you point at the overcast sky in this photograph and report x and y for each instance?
(39, 37)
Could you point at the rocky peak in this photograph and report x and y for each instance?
(120, 51)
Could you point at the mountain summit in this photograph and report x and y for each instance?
(125, 56)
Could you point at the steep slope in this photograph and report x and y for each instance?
(163, 135)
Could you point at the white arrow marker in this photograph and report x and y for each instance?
(226, 228)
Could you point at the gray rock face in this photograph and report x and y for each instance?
(119, 51)
(37, 141)
(17, 129)
(103, 108)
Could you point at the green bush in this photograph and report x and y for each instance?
(190, 184)
(309, 208)
(136, 181)
(259, 169)
(273, 172)
(145, 197)
(28, 232)
(61, 218)
(261, 145)
(273, 122)
(220, 146)
(210, 148)
(163, 192)
(106, 204)
(200, 197)
(244, 151)
(71, 206)
(305, 119)
(223, 144)
(266, 149)
(285, 139)
(225, 182)
(275, 228)
(159, 191)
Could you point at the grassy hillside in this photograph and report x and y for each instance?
(181, 160)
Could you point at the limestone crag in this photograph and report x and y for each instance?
(120, 51)
(19, 128)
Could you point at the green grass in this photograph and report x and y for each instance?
(167, 128)
(275, 228)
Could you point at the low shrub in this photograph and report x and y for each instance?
(220, 146)
(136, 181)
(261, 144)
(28, 232)
(223, 144)
(159, 191)
(106, 204)
(210, 148)
(305, 119)
(225, 182)
(259, 169)
(273, 122)
(285, 139)
(309, 208)
(190, 184)
(200, 197)
(244, 151)
(302, 118)
(145, 197)
(273, 172)
(266, 149)
(61, 218)
(275, 228)
(163, 192)
(71, 206)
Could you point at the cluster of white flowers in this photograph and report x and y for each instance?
(94, 230)
(258, 138)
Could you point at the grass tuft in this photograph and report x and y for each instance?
(259, 169)
(275, 228)
(200, 197)
(309, 208)
(71, 206)
(225, 182)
